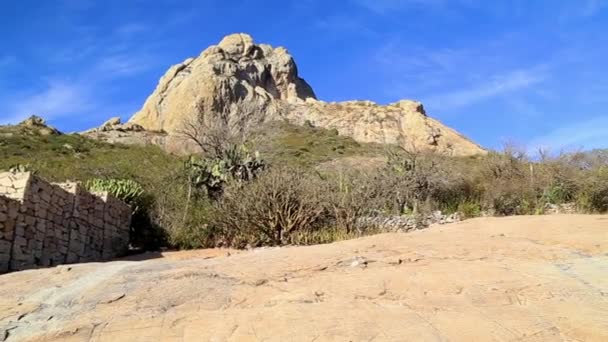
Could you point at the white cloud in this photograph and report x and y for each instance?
(81, 80)
(342, 23)
(57, 99)
(497, 85)
(587, 134)
(86, 93)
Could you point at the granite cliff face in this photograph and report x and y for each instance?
(241, 81)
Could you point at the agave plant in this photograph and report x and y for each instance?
(125, 190)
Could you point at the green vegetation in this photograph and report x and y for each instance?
(144, 232)
(125, 190)
(236, 163)
(233, 197)
(285, 144)
(59, 158)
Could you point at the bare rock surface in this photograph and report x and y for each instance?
(251, 83)
(534, 278)
(32, 125)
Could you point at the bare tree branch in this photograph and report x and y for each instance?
(214, 133)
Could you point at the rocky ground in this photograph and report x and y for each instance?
(517, 278)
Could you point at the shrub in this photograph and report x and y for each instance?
(349, 196)
(269, 210)
(409, 181)
(469, 209)
(595, 194)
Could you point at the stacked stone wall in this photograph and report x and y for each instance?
(44, 224)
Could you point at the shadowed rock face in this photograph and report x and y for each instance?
(254, 83)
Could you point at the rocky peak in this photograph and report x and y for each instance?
(242, 81)
(236, 75)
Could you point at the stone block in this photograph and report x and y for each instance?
(4, 266)
(5, 247)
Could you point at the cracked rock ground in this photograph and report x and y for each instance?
(507, 279)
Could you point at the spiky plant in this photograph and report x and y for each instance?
(125, 190)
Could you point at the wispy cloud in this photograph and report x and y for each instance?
(122, 65)
(131, 29)
(341, 24)
(454, 76)
(58, 98)
(588, 134)
(424, 66)
(83, 74)
(385, 6)
(497, 85)
(83, 93)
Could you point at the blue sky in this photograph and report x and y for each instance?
(532, 72)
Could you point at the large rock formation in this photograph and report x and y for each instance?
(244, 82)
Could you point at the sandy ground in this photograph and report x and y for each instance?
(542, 278)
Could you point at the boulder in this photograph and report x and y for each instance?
(108, 125)
(38, 125)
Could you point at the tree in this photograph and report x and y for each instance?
(215, 133)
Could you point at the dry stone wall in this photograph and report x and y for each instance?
(44, 224)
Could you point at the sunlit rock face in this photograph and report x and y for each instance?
(253, 83)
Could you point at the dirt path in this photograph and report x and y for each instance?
(508, 279)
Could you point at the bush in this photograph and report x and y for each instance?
(408, 180)
(469, 209)
(270, 210)
(594, 197)
(349, 196)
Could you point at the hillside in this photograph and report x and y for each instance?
(208, 200)
(76, 157)
(520, 278)
(60, 157)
